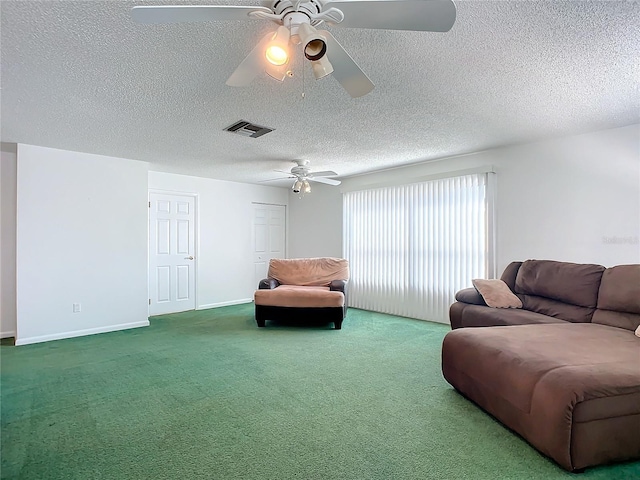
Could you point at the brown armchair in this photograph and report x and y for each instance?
(303, 288)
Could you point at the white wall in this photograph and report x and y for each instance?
(224, 260)
(573, 199)
(316, 223)
(567, 199)
(81, 238)
(8, 240)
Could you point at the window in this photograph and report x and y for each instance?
(411, 247)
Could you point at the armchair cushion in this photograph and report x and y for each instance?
(299, 296)
(308, 271)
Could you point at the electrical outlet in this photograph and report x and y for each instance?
(77, 308)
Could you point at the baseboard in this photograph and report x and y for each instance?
(224, 304)
(81, 333)
(8, 334)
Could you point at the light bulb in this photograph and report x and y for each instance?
(276, 55)
(277, 52)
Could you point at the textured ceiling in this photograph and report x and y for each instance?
(83, 76)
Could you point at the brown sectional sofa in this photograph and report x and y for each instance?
(563, 371)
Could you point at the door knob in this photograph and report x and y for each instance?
(190, 257)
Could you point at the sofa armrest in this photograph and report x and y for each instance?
(470, 295)
(268, 284)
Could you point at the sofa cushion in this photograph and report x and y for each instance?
(299, 296)
(620, 289)
(481, 316)
(571, 390)
(496, 293)
(470, 295)
(554, 308)
(619, 297)
(515, 359)
(308, 271)
(628, 321)
(510, 273)
(572, 283)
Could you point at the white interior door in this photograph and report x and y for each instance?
(269, 231)
(171, 253)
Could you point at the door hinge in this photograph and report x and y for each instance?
(149, 204)
(149, 301)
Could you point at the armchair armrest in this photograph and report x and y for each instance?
(470, 295)
(338, 285)
(268, 284)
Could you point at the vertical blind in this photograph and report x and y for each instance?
(411, 247)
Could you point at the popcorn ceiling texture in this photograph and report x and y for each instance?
(83, 76)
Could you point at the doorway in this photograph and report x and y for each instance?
(172, 272)
(269, 237)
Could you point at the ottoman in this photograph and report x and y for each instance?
(571, 390)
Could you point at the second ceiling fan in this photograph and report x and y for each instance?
(302, 174)
(297, 22)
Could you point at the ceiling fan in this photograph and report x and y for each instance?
(297, 20)
(303, 175)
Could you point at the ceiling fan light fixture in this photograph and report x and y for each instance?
(297, 186)
(306, 186)
(315, 49)
(321, 68)
(314, 45)
(277, 52)
(278, 72)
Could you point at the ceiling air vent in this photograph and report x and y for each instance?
(247, 129)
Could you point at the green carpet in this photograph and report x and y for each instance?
(209, 395)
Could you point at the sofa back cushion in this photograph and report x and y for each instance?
(619, 297)
(573, 283)
(308, 271)
(568, 291)
(510, 273)
(556, 309)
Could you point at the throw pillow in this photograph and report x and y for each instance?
(496, 294)
(638, 331)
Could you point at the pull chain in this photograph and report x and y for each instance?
(302, 69)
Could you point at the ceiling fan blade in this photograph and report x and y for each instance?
(345, 69)
(274, 179)
(251, 66)
(415, 15)
(328, 181)
(193, 13)
(326, 173)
